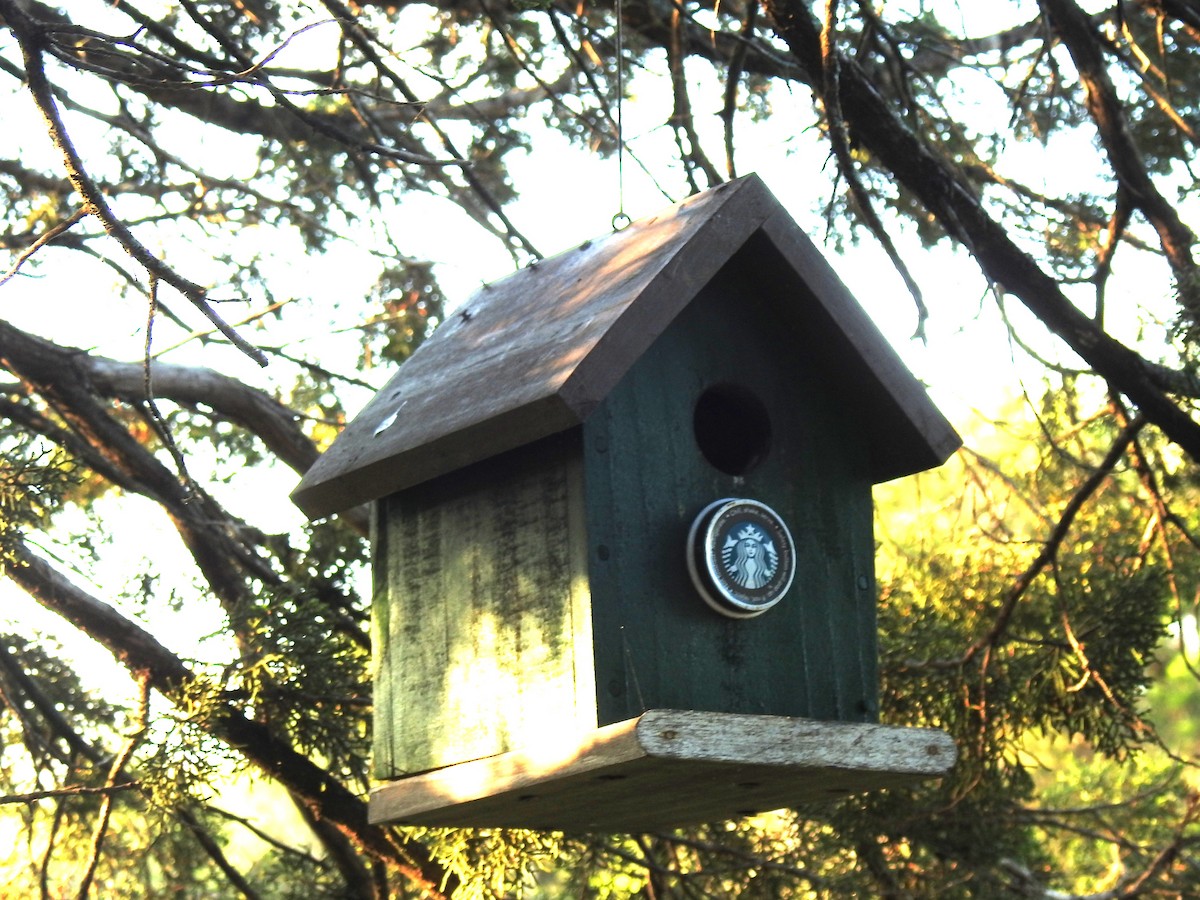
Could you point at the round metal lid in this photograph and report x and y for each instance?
(741, 557)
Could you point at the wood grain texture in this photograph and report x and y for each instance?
(533, 354)
(907, 433)
(491, 376)
(657, 644)
(482, 629)
(668, 768)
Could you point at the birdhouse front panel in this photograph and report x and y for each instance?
(728, 404)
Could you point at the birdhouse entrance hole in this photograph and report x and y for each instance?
(733, 428)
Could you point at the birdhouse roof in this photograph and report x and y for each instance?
(533, 354)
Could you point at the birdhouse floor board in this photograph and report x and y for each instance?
(667, 768)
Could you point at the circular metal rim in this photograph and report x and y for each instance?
(706, 579)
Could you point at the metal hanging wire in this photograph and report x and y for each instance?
(621, 219)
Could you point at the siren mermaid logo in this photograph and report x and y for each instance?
(749, 558)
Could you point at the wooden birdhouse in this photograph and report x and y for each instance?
(623, 545)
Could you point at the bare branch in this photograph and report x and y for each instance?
(737, 64)
(690, 149)
(49, 236)
(831, 96)
(1078, 33)
(138, 650)
(76, 790)
(31, 38)
(362, 39)
(937, 183)
(52, 718)
(211, 847)
(120, 761)
(1045, 557)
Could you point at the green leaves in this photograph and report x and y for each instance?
(33, 479)
(411, 305)
(1055, 700)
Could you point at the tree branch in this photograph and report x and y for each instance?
(211, 847)
(119, 780)
(937, 184)
(737, 65)
(75, 790)
(49, 236)
(1078, 33)
(690, 149)
(361, 39)
(275, 424)
(138, 650)
(259, 413)
(226, 551)
(831, 99)
(1046, 555)
(31, 38)
(120, 761)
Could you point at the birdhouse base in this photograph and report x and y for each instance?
(667, 768)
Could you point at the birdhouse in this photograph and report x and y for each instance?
(623, 544)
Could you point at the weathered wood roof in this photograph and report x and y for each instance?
(533, 354)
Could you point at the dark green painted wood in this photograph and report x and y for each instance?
(656, 643)
(482, 632)
(543, 592)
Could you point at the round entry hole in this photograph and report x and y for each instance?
(733, 428)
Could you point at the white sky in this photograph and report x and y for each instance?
(566, 197)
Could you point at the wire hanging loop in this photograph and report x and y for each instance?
(620, 220)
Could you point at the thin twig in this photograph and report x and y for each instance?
(1049, 551)
(31, 38)
(364, 41)
(156, 417)
(682, 120)
(77, 790)
(118, 766)
(202, 333)
(50, 235)
(737, 62)
(1059, 533)
(212, 847)
(839, 139)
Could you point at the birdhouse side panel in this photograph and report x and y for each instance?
(724, 405)
(482, 611)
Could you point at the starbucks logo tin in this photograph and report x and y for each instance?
(741, 557)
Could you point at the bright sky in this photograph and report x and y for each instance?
(567, 196)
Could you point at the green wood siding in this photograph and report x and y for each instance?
(540, 593)
(657, 644)
(481, 624)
